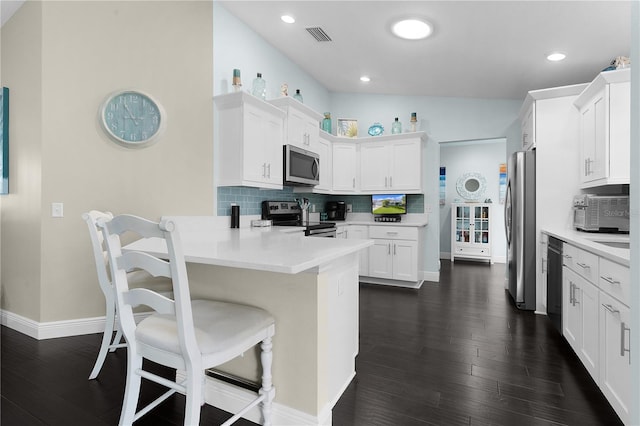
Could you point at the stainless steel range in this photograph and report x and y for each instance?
(289, 213)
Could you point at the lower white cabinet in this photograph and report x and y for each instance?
(580, 319)
(595, 321)
(394, 254)
(615, 355)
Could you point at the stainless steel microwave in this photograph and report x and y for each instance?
(301, 167)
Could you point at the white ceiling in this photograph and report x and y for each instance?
(485, 49)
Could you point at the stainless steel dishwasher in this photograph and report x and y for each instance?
(554, 282)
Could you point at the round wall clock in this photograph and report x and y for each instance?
(132, 118)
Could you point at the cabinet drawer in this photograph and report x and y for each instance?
(393, 232)
(475, 251)
(584, 263)
(615, 279)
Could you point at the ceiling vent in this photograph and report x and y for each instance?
(318, 33)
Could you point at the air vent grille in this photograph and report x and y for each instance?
(318, 33)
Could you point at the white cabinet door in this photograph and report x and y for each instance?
(528, 128)
(406, 171)
(571, 324)
(588, 295)
(580, 319)
(594, 138)
(302, 130)
(405, 257)
(344, 168)
(324, 150)
(380, 259)
(391, 166)
(615, 358)
(374, 167)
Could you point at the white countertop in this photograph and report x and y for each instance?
(265, 249)
(588, 241)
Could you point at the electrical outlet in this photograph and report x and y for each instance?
(349, 208)
(57, 210)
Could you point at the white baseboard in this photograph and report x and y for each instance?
(55, 329)
(433, 276)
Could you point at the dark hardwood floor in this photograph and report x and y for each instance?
(454, 352)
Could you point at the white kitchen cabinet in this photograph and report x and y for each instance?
(345, 168)
(249, 149)
(325, 151)
(394, 255)
(391, 165)
(471, 231)
(580, 319)
(615, 355)
(302, 124)
(605, 112)
(528, 128)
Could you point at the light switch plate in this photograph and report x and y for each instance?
(349, 208)
(57, 210)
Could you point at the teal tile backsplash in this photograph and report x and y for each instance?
(250, 199)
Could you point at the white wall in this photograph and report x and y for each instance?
(483, 157)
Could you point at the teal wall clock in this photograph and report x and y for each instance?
(132, 118)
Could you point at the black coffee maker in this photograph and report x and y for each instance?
(336, 210)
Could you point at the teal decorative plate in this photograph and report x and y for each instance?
(376, 129)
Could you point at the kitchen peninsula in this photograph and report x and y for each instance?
(310, 286)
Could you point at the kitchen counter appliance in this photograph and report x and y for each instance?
(601, 213)
(290, 213)
(336, 210)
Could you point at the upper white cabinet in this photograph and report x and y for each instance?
(605, 112)
(325, 150)
(302, 124)
(527, 125)
(392, 164)
(345, 168)
(250, 141)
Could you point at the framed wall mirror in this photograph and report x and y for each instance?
(471, 186)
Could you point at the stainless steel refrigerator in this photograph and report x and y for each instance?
(520, 226)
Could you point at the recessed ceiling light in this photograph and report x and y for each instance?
(288, 19)
(412, 29)
(556, 56)
(365, 79)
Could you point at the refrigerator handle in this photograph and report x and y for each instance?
(507, 213)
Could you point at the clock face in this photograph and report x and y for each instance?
(132, 118)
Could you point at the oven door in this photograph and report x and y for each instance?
(301, 167)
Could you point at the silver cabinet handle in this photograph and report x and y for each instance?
(385, 182)
(390, 181)
(264, 170)
(389, 248)
(394, 249)
(571, 293)
(623, 330)
(354, 183)
(610, 308)
(583, 265)
(566, 256)
(269, 170)
(611, 280)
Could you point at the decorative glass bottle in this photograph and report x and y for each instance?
(326, 122)
(298, 96)
(259, 87)
(414, 121)
(237, 83)
(396, 127)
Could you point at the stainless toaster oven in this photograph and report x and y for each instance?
(601, 213)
